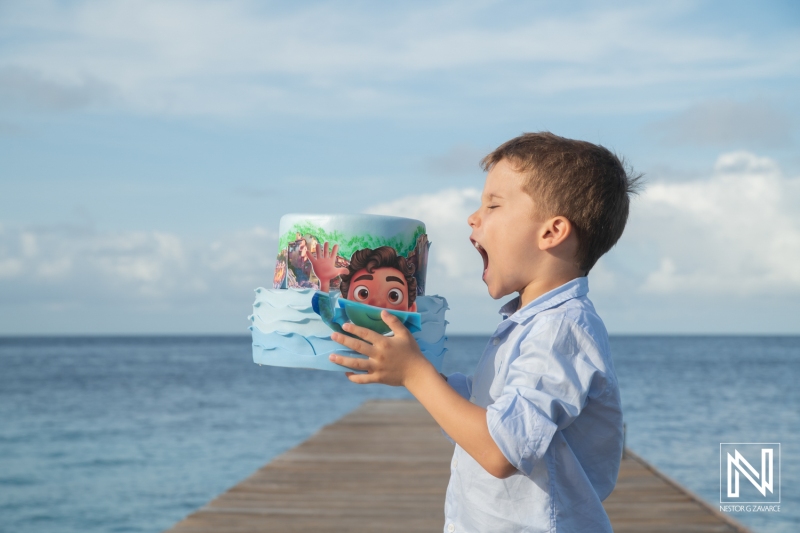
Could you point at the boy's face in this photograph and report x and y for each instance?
(505, 231)
(385, 287)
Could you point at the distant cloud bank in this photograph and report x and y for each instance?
(71, 268)
(735, 232)
(176, 134)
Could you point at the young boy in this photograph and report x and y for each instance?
(538, 427)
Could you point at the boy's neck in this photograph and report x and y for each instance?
(540, 286)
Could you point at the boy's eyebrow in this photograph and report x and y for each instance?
(365, 276)
(395, 278)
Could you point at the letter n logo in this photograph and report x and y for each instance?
(755, 462)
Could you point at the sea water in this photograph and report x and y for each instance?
(103, 434)
(683, 396)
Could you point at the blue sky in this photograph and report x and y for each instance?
(148, 149)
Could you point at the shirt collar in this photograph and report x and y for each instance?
(572, 289)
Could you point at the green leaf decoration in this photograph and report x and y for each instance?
(348, 245)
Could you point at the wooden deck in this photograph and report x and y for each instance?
(385, 467)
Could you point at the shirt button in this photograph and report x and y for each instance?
(451, 528)
(472, 398)
(495, 341)
(455, 463)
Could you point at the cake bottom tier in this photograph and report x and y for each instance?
(293, 350)
(296, 338)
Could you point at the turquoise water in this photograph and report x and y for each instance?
(131, 434)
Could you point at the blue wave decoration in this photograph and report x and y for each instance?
(291, 337)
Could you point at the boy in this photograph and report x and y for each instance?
(538, 427)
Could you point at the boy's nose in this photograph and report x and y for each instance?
(472, 220)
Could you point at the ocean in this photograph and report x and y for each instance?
(130, 434)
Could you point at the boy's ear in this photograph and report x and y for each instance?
(413, 307)
(554, 231)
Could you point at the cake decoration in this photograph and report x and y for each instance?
(333, 269)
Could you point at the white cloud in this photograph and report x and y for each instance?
(454, 267)
(232, 58)
(459, 160)
(62, 266)
(25, 86)
(453, 262)
(737, 232)
(725, 122)
(10, 268)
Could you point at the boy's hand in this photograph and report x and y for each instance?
(392, 360)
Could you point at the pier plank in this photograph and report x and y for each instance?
(385, 467)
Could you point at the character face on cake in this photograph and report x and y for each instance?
(380, 278)
(373, 280)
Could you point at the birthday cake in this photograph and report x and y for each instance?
(334, 269)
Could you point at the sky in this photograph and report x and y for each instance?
(148, 150)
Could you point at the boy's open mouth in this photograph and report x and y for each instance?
(484, 256)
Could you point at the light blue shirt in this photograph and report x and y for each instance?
(553, 408)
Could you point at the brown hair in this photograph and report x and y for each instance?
(385, 256)
(581, 181)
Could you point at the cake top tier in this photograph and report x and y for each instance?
(302, 234)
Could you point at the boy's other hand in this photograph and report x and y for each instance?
(392, 360)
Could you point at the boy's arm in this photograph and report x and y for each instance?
(398, 361)
(463, 386)
(552, 376)
(463, 421)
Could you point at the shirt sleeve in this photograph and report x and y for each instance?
(463, 386)
(550, 379)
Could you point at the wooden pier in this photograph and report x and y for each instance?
(385, 467)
